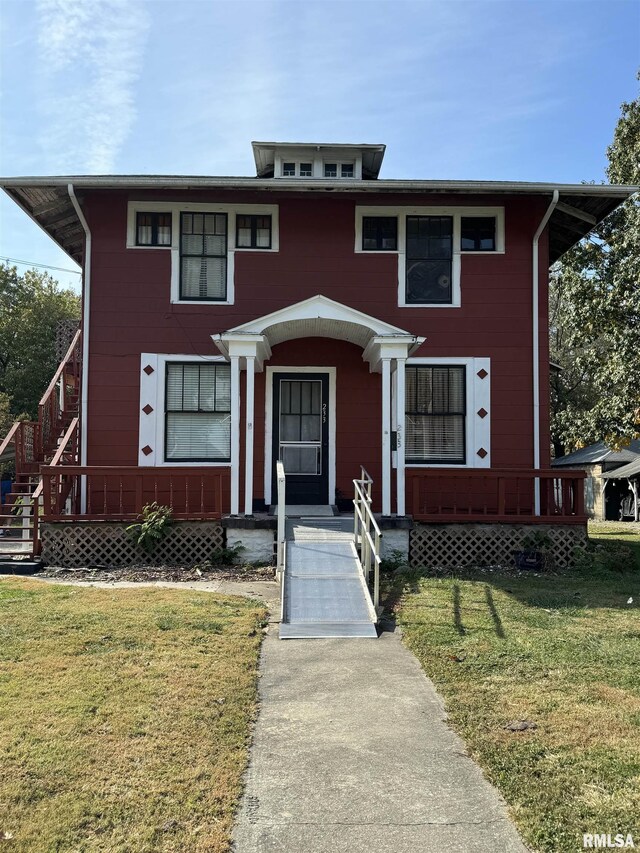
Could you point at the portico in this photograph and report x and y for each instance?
(308, 435)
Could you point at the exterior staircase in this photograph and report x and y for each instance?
(52, 439)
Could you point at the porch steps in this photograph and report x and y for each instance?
(325, 594)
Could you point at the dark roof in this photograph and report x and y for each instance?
(46, 199)
(599, 452)
(630, 470)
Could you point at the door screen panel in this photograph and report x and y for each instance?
(301, 435)
(301, 426)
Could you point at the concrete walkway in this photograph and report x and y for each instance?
(352, 753)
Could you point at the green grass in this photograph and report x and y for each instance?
(124, 717)
(560, 651)
(624, 532)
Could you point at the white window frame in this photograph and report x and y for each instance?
(175, 209)
(151, 430)
(339, 164)
(456, 259)
(478, 396)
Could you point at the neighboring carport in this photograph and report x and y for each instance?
(630, 472)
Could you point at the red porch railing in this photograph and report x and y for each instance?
(454, 495)
(119, 493)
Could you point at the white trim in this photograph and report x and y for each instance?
(175, 209)
(401, 212)
(400, 408)
(268, 427)
(249, 431)
(386, 436)
(235, 434)
(152, 392)
(478, 430)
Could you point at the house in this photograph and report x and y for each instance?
(604, 490)
(315, 314)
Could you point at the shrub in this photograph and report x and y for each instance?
(153, 526)
(606, 556)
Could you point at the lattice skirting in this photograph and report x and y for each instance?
(79, 544)
(450, 546)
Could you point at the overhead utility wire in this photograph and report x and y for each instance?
(44, 266)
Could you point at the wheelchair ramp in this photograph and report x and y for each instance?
(325, 594)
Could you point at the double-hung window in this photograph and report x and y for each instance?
(198, 412)
(429, 259)
(435, 414)
(203, 256)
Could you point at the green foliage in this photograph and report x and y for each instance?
(595, 316)
(152, 528)
(394, 562)
(604, 556)
(229, 556)
(31, 307)
(537, 541)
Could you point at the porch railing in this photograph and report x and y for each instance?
(120, 493)
(366, 533)
(489, 495)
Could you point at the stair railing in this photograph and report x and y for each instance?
(367, 534)
(60, 398)
(281, 544)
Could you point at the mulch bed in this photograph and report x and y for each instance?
(141, 574)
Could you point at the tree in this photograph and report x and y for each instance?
(31, 307)
(595, 315)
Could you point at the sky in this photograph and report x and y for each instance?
(518, 90)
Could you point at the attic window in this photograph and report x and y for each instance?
(306, 170)
(288, 170)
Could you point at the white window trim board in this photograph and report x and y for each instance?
(401, 214)
(477, 429)
(175, 209)
(268, 426)
(152, 426)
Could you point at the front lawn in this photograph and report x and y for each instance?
(562, 654)
(124, 716)
(623, 532)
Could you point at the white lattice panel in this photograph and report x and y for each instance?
(451, 546)
(108, 544)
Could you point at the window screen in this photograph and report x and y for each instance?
(435, 414)
(203, 256)
(198, 412)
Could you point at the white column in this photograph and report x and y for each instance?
(400, 414)
(235, 434)
(248, 452)
(386, 436)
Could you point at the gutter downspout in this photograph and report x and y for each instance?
(536, 347)
(85, 343)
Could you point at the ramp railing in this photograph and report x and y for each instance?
(281, 546)
(366, 533)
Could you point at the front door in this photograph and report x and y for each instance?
(301, 435)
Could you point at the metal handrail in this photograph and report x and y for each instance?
(281, 545)
(364, 525)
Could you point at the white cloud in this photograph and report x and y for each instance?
(90, 56)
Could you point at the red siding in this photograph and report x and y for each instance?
(131, 313)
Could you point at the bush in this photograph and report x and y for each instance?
(606, 556)
(153, 526)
